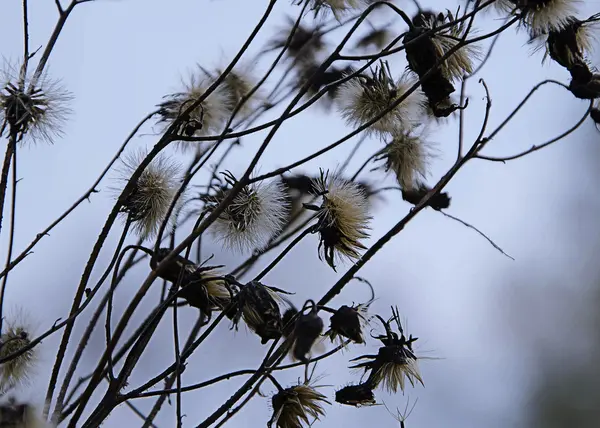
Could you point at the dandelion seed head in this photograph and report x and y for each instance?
(35, 109)
(148, 203)
(361, 99)
(343, 218)
(14, 338)
(253, 217)
(297, 406)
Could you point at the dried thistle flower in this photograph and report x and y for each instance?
(148, 202)
(20, 415)
(363, 98)
(541, 16)
(203, 287)
(256, 304)
(35, 108)
(342, 218)
(297, 406)
(256, 214)
(395, 361)
(356, 395)
(306, 43)
(348, 322)
(377, 38)
(319, 79)
(15, 371)
(209, 117)
(238, 84)
(307, 329)
(459, 63)
(414, 195)
(408, 157)
(338, 7)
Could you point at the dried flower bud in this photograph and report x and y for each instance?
(356, 395)
(294, 407)
(14, 338)
(35, 108)
(348, 322)
(342, 218)
(363, 98)
(256, 214)
(148, 202)
(201, 286)
(307, 329)
(413, 196)
(256, 304)
(209, 117)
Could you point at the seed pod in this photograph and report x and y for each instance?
(346, 322)
(257, 306)
(307, 330)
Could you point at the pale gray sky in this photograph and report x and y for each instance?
(120, 57)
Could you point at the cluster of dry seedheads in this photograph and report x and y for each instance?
(166, 210)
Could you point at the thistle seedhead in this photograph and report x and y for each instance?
(377, 38)
(348, 322)
(306, 43)
(541, 16)
(256, 304)
(14, 338)
(363, 98)
(256, 214)
(338, 7)
(460, 63)
(35, 108)
(20, 415)
(342, 218)
(208, 118)
(307, 329)
(408, 157)
(356, 395)
(297, 406)
(148, 202)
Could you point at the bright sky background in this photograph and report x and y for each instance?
(120, 57)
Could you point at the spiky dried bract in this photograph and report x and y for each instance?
(35, 109)
(253, 217)
(256, 304)
(348, 323)
(20, 415)
(15, 371)
(343, 218)
(209, 117)
(356, 395)
(203, 287)
(541, 16)
(297, 406)
(363, 98)
(459, 63)
(148, 203)
(408, 157)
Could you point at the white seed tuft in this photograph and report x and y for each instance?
(17, 370)
(541, 16)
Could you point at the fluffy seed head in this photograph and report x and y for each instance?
(391, 375)
(255, 215)
(342, 218)
(13, 372)
(408, 157)
(148, 203)
(297, 406)
(541, 16)
(208, 118)
(338, 7)
(363, 98)
(35, 109)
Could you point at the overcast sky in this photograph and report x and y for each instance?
(120, 57)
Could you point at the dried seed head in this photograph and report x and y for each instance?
(256, 214)
(408, 157)
(208, 118)
(297, 406)
(338, 7)
(587, 88)
(541, 16)
(356, 395)
(20, 415)
(238, 84)
(414, 195)
(17, 370)
(377, 38)
(361, 99)
(342, 218)
(256, 304)
(35, 109)
(148, 203)
(306, 43)
(203, 287)
(460, 63)
(307, 329)
(348, 322)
